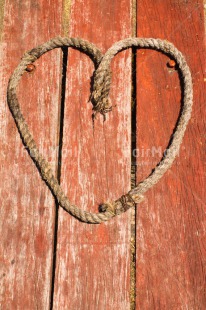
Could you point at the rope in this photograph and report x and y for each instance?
(101, 104)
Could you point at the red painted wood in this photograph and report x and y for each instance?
(93, 261)
(171, 222)
(27, 206)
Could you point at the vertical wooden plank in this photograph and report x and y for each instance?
(27, 207)
(93, 261)
(171, 222)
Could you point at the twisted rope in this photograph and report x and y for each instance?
(101, 104)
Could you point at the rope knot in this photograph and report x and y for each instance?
(121, 205)
(127, 201)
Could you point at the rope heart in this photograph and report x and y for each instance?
(101, 104)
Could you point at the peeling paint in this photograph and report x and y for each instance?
(2, 2)
(66, 16)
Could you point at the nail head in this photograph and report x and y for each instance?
(30, 68)
(171, 63)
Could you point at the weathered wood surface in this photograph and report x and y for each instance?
(27, 207)
(88, 266)
(170, 234)
(93, 261)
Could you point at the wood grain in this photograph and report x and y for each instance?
(171, 257)
(93, 261)
(2, 2)
(27, 211)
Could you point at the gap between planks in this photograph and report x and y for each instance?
(133, 161)
(59, 165)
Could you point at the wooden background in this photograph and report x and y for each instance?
(49, 260)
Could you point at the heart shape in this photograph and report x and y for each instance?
(101, 104)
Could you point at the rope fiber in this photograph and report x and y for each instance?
(101, 104)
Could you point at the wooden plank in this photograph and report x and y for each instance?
(93, 261)
(27, 206)
(171, 222)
